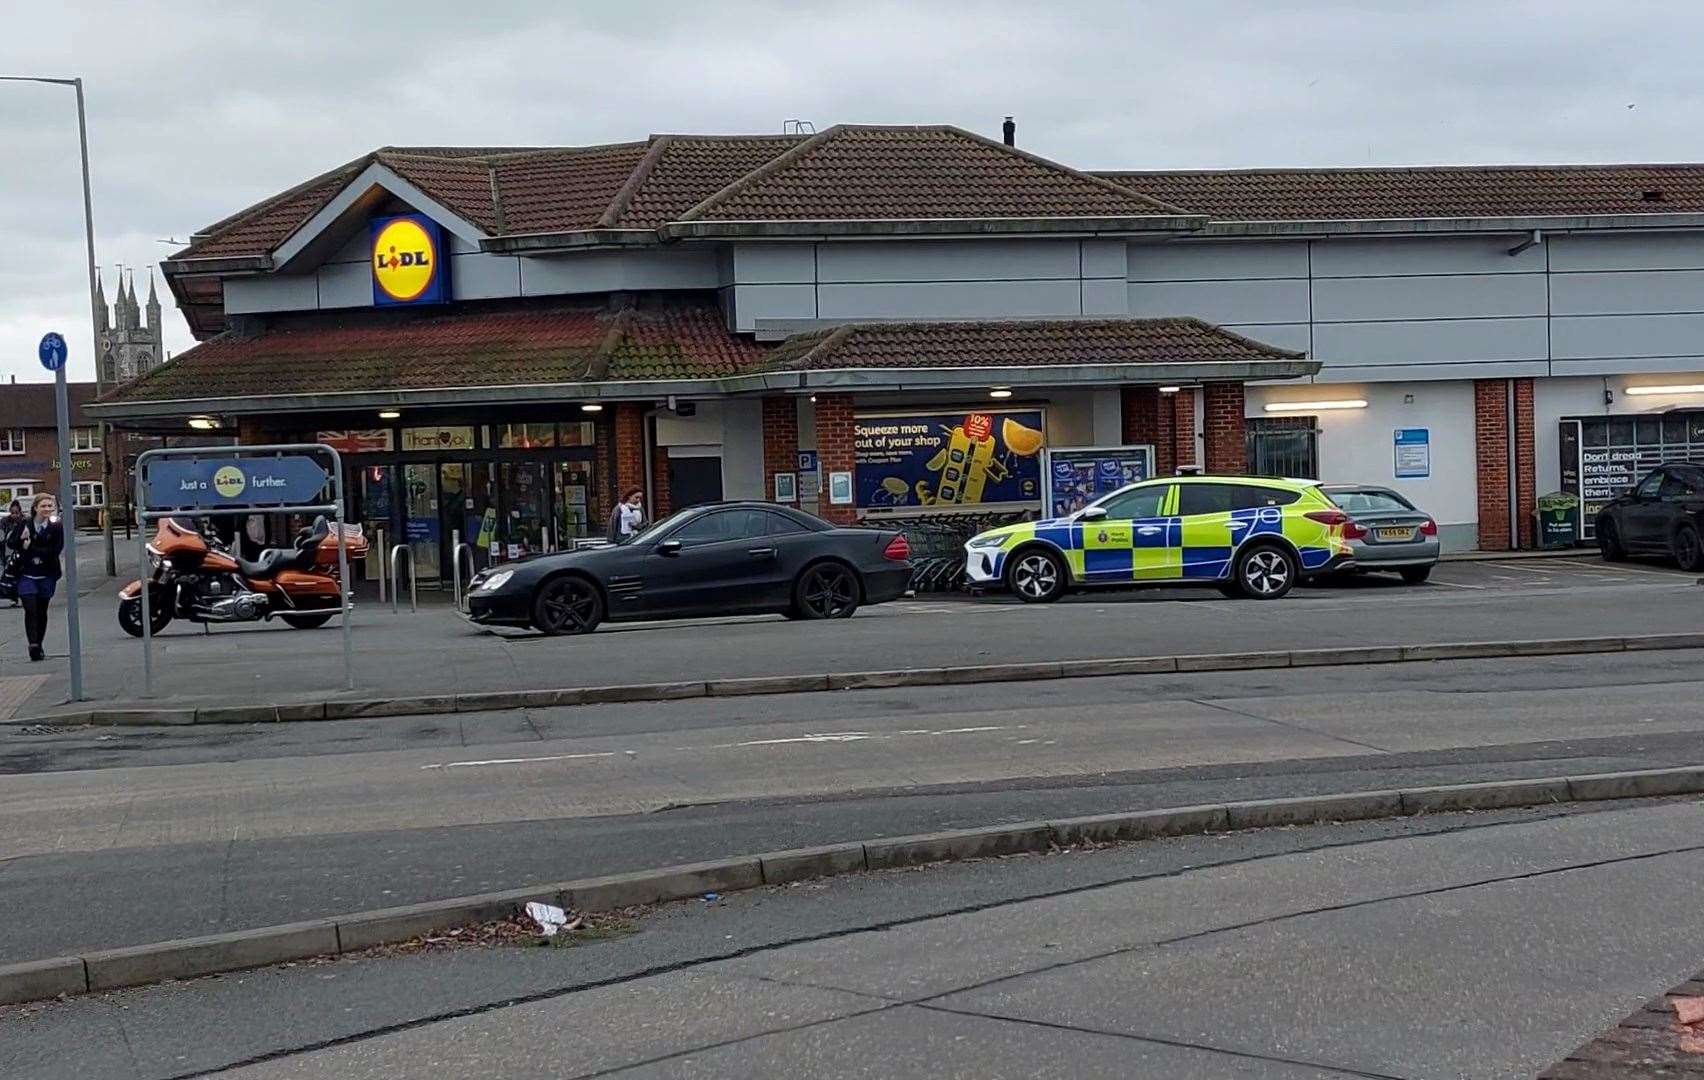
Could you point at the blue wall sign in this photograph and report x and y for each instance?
(947, 460)
(409, 262)
(1077, 478)
(1413, 452)
(233, 483)
(52, 351)
(807, 461)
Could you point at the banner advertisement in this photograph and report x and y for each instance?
(948, 460)
(1603, 456)
(1078, 476)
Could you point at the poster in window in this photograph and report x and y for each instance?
(948, 460)
(1079, 476)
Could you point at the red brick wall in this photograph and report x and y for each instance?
(1526, 469)
(660, 505)
(629, 448)
(1223, 427)
(780, 440)
(834, 449)
(1491, 451)
(1147, 420)
(1183, 428)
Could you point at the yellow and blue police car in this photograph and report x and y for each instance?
(1249, 536)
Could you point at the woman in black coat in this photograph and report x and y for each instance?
(38, 544)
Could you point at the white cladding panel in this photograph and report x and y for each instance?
(1610, 336)
(1192, 261)
(1434, 343)
(742, 450)
(1297, 337)
(1223, 301)
(1462, 296)
(754, 302)
(280, 292)
(769, 264)
(949, 260)
(1627, 292)
(1627, 251)
(948, 299)
(1386, 256)
(1105, 296)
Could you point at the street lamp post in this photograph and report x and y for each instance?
(94, 310)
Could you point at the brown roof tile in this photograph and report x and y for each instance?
(1438, 192)
(32, 405)
(495, 346)
(461, 183)
(853, 172)
(684, 170)
(1029, 343)
(559, 190)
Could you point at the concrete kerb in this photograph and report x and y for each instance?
(429, 704)
(186, 958)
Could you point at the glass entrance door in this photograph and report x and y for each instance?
(374, 510)
(524, 506)
(573, 502)
(420, 519)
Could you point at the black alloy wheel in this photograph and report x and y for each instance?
(567, 605)
(826, 591)
(159, 613)
(1688, 551)
(1609, 541)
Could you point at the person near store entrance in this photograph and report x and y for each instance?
(628, 517)
(10, 526)
(38, 544)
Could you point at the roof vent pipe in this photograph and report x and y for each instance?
(1009, 132)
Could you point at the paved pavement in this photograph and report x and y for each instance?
(195, 830)
(433, 651)
(1484, 946)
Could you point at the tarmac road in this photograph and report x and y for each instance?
(1484, 946)
(193, 830)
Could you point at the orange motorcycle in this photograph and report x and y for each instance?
(196, 577)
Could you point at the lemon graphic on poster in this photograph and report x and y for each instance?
(229, 481)
(1020, 440)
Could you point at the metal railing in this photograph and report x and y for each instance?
(456, 551)
(379, 534)
(396, 589)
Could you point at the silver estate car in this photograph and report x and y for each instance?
(1386, 531)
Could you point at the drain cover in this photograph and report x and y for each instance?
(43, 729)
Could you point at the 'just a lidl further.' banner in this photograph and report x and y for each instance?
(410, 265)
(231, 483)
(948, 460)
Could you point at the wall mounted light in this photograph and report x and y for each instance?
(1315, 406)
(389, 414)
(1170, 389)
(591, 406)
(204, 423)
(1000, 392)
(1679, 388)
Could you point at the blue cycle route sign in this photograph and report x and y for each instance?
(52, 351)
(223, 483)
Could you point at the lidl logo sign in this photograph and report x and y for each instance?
(229, 481)
(407, 263)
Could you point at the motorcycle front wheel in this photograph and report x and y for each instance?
(159, 612)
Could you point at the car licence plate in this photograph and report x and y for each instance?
(1395, 534)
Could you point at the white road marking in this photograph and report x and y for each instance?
(967, 730)
(514, 761)
(854, 736)
(844, 736)
(1457, 584)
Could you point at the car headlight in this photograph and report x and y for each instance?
(987, 540)
(493, 583)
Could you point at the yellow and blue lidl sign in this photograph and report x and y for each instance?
(408, 263)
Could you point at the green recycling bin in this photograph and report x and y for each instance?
(1558, 520)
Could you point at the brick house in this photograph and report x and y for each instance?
(29, 450)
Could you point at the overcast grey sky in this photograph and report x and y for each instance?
(197, 109)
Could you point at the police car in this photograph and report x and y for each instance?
(1248, 536)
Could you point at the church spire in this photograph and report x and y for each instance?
(153, 304)
(100, 300)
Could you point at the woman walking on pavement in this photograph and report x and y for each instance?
(38, 544)
(10, 526)
(628, 518)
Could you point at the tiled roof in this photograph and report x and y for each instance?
(856, 173)
(32, 405)
(846, 172)
(1439, 192)
(499, 345)
(1037, 343)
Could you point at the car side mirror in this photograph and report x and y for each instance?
(1094, 513)
(669, 547)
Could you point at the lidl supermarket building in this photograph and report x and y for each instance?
(895, 321)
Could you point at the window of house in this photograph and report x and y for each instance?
(85, 440)
(1284, 446)
(89, 493)
(11, 440)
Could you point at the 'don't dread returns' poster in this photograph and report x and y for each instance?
(945, 460)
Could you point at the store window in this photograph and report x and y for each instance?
(11, 440)
(89, 493)
(85, 440)
(523, 436)
(1284, 446)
